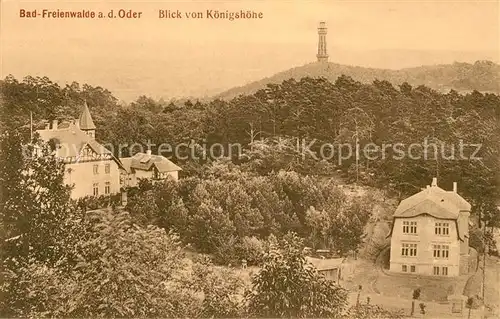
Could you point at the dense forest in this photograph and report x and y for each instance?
(456, 135)
(309, 109)
(482, 76)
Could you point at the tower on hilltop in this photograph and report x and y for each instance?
(322, 31)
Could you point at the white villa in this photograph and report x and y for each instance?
(430, 233)
(90, 167)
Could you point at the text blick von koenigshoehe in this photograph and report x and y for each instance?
(210, 14)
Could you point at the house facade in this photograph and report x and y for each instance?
(430, 233)
(90, 168)
(147, 166)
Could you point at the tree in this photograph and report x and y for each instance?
(144, 209)
(34, 209)
(341, 224)
(34, 203)
(220, 288)
(286, 286)
(124, 270)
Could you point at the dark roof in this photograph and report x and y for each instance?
(86, 122)
(146, 162)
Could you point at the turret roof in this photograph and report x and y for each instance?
(85, 121)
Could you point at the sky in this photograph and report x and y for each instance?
(169, 58)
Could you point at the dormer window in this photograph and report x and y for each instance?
(409, 227)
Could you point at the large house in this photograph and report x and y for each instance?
(89, 167)
(92, 169)
(148, 166)
(430, 233)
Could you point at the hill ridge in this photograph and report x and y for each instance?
(483, 75)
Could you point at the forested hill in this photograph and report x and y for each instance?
(482, 76)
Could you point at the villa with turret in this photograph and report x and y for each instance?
(430, 233)
(91, 168)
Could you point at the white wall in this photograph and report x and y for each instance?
(425, 239)
(83, 178)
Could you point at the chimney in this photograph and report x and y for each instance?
(54, 124)
(148, 152)
(434, 182)
(454, 187)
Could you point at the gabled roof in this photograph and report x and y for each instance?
(85, 121)
(72, 141)
(146, 162)
(434, 201)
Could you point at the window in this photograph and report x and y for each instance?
(445, 251)
(95, 188)
(409, 250)
(409, 227)
(413, 227)
(436, 271)
(107, 188)
(107, 168)
(442, 229)
(441, 251)
(437, 250)
(412, 268)
(446, 229)
(96, 169)
(444, 271)
(404, 268)
(437, 228)
(87, 152)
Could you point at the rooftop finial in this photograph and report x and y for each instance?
(434, 182)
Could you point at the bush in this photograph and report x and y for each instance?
(372, 312)
(235, 250)
(96, 202)
(252, 250)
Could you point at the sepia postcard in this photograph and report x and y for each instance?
(250, 159)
